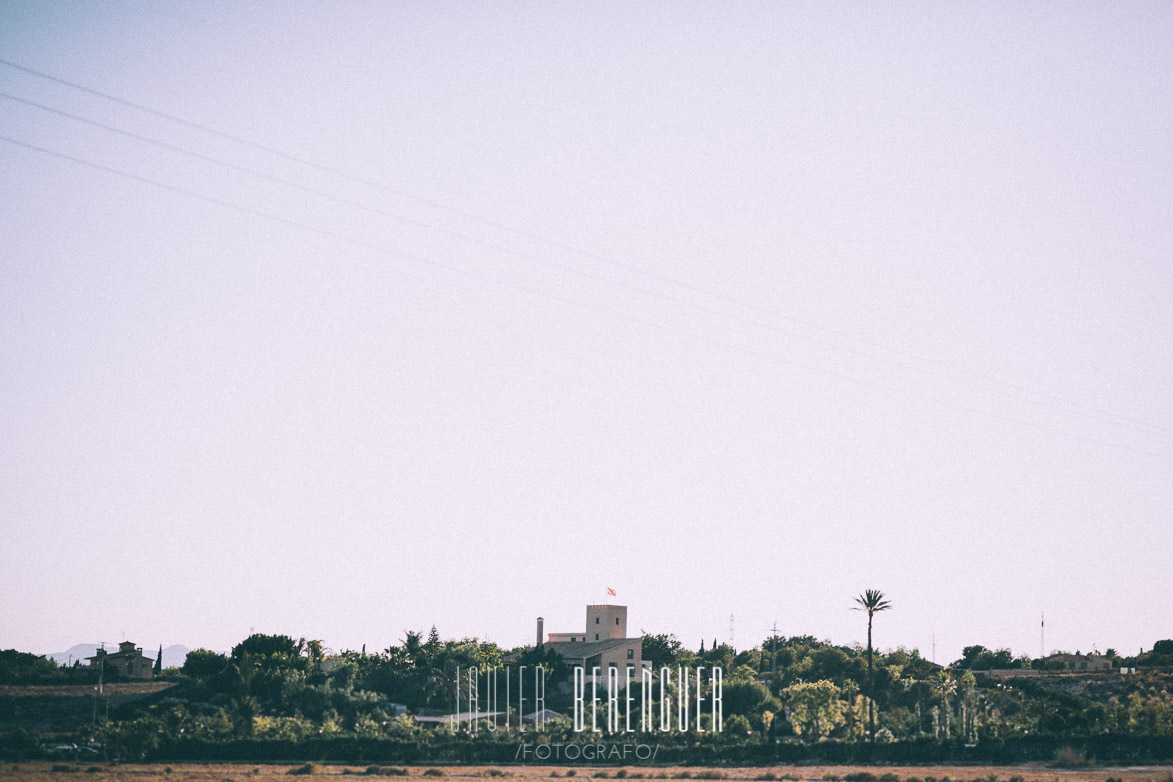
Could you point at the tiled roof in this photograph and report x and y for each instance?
(573, 650)
(122, 655)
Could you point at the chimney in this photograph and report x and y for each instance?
(540, 623)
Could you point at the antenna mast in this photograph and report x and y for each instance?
(774, 650)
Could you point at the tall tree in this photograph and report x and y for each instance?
(316, 653)
(159, 661)
(872, 601)
(815, 708)
(413, 647)
(946, 685)
(659, 650)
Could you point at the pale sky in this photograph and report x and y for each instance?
(735, 308)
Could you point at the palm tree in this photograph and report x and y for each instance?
(246, 669)
(946, 686)
(872, 601)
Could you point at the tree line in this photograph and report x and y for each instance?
(794, 690)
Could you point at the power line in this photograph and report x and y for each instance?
(247, 210)
(1055, 401)
(172, 118)
(381, 212)
(474, 240)
(572, 302)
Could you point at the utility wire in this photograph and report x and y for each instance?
(570, 268)
(571, 302)
(384, 213)
(1057, 401)
(177, 120)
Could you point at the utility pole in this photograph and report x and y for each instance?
(1042, 630)
(101, 675)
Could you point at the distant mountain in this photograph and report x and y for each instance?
(75, 653)
(173, 656)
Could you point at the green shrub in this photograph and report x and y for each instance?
(308, 768)
(1068, 756)
(433, 772)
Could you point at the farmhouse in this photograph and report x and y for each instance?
(1077, 662)
(128, 661)
(603, 644)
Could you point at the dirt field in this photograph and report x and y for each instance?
(251, 772)
(61, 708)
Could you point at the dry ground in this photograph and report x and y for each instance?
(43, 771)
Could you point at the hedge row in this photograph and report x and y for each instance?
(1103, 748)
